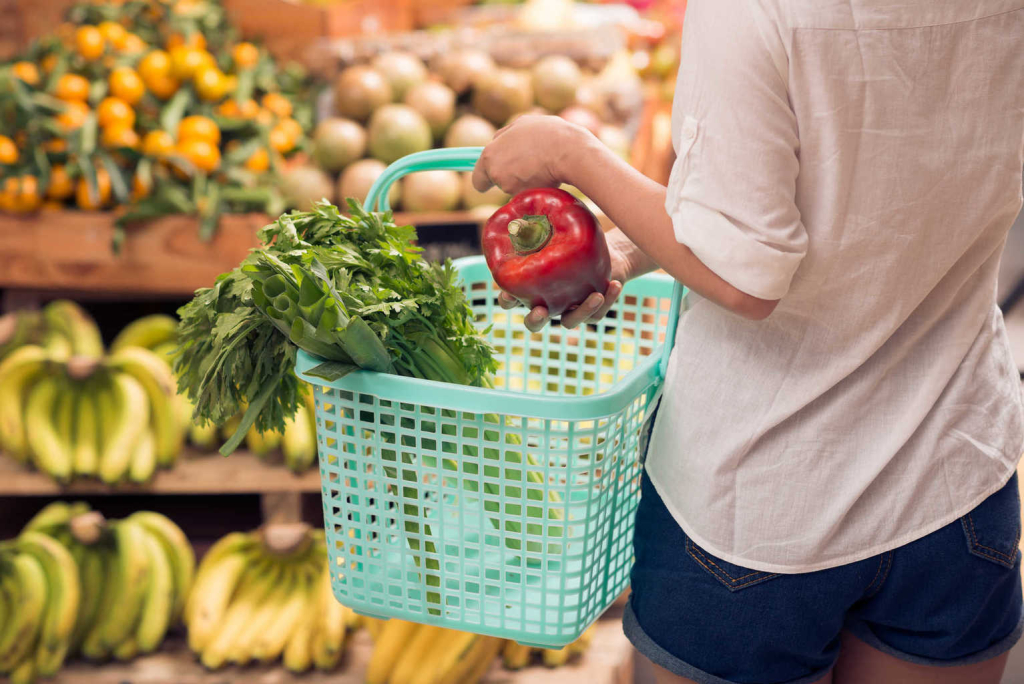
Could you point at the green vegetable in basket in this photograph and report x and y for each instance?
(353, 290)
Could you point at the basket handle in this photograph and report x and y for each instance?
(678, 292)
(464, 159)
(446, 158)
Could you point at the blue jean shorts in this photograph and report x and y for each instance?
(950, 598)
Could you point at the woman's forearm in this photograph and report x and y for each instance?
(636, 204)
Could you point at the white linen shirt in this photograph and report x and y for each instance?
(860, 160)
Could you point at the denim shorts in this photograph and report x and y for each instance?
(950, 598)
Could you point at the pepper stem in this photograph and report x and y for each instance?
(529, 234)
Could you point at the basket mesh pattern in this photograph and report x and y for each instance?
(500, 524)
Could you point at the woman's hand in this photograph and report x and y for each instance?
(534, 151)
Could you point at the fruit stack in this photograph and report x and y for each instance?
(395, 105)
(71, 411)
(410, 653)
(265, 595)
(76, 583)
(297, 443)
(148, 103)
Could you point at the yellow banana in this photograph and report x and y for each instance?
(392, 640)
(131, 413)
(147, 332)
(64, 594)
(158, 605)
(298, 652)
(28, 606)
(204, 436)
(262, 443)
(229, 427)
(555, 657)
(229, 544)
(264, 618)
(77, 326)
(24, 672)
(134, 569)
(415, 654)
(270, 644)
(126, 650)
(178, 550)
(374, 626)
(477, 661)
(91, 571)
(515, 656)
(85, 450)
(489, 649)
(452, 648)
(211, 597)
(143, 461)
(583, 642)
(298, 443)
(18, 372)
(330, 641)
(49, 450)
(243, 605)
(155, 377)
(183, 410)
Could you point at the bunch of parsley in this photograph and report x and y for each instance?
(352, 289)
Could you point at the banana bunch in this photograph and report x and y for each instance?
(112, 417)
(515, 656)
(297, 443)
(265, 595)
(40, 595)
(411, 653)
(19, 328)
(134, 574)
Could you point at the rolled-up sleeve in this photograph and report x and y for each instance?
(731, 194)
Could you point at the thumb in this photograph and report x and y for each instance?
(481, 181)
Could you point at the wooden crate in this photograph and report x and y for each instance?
(70, 252)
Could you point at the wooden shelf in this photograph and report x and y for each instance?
(608, 661)
(70, 251)
(194, 473)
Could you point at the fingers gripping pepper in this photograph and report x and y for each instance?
(547, 249)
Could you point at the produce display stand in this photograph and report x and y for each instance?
(194, 473)
(70, 251)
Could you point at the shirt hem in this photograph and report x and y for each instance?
(902, 540)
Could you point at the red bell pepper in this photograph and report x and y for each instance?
(546, 248)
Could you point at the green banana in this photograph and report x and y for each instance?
(18, 372)
(77, 326)
(27, 594)
(158, 605)
(92, 568)
(203, 436)
(49, 450)
(155, 377)
(133, 576)
(130, 406)
(179, 551)
(147, 332)
(62, 601)
(92, 639)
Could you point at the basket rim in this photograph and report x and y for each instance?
(404, 389)
(410, 390)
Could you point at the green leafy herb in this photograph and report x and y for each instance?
(351, 289)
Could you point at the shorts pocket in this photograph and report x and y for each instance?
(993, 528)
(733, 577)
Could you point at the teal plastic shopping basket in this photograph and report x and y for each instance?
(506, 511)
